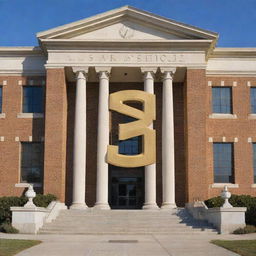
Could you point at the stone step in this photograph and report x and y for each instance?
(75, 232)
(125, 222)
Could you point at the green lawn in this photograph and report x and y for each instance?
(242, 247)
(9, 247)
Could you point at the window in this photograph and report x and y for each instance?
(1, 98)
(254, 161)
(253, 100)
(130, 146)
(223, 162)
(222, 100)
(32, 162)
(32, 99)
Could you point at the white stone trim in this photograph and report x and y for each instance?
(2, 138)
(17, 138)
(30, 115)
(22, 185)
(222, 83)
(234, 83)
(253, 185)
(249, 84)
(249, 140)
(20, 82)
(209, 83)
(221, 185)
(30, 138)
(210, 139)
(2, 115)
(235, 139)
(4, 82)
(222, 116)
(223, 139)
(252, 116)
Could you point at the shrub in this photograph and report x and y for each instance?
(246, 230)
(8, 228)
(238, 201)
(7, 202)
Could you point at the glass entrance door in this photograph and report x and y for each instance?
(126, 193)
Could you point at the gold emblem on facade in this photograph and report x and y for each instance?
(133, 129)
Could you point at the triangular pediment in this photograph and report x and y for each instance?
(127, 23)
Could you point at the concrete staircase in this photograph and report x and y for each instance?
(125, 222)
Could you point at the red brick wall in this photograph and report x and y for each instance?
(55, 133)
(240, 128)
(11, 127)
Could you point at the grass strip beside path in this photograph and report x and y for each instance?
(9, 247)
(242, 247)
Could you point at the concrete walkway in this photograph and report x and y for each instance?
(126, 245)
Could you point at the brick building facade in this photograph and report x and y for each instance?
(213, 99)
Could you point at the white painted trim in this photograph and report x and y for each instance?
(235, 139)
(209, 83)
(26, 185)
(4, 82)
(30, 115)
(2, 138)
(249, 83)
(253, 185)
(234, 83)
(2, 115)
(210, 139)
(17, 138)
(221, 185)
(252, 116)
(249, 140)
(222, 116)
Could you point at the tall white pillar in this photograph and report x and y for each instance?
(168, 169)
(150, 170)
(103, 140)
(79, 152)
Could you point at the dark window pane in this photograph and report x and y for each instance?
(32, 162)
(223, 162)
(222, 100)
(32, 99)
(1, 98)
(253, 100)
(254, 161)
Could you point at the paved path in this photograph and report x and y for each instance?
(144, 245)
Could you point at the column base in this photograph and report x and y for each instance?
(150, 206)
(101, 206)
(78, 206)
(168, 206)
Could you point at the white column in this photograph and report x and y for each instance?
(79, 152)
(150, 170)
(103, 140)
(168, 169)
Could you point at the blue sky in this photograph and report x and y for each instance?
(234, 20)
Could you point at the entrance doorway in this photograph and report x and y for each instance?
(126, 188)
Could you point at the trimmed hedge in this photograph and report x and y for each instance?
(238, 201)
(7, 202)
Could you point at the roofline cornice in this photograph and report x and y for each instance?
(20, 51)
(233, 52)
(117, 14)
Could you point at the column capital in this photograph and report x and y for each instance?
(148, 69)
(103, 72)
(81, 72)
(168, 72)
(148, 73)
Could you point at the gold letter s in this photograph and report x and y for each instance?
(133, 129)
